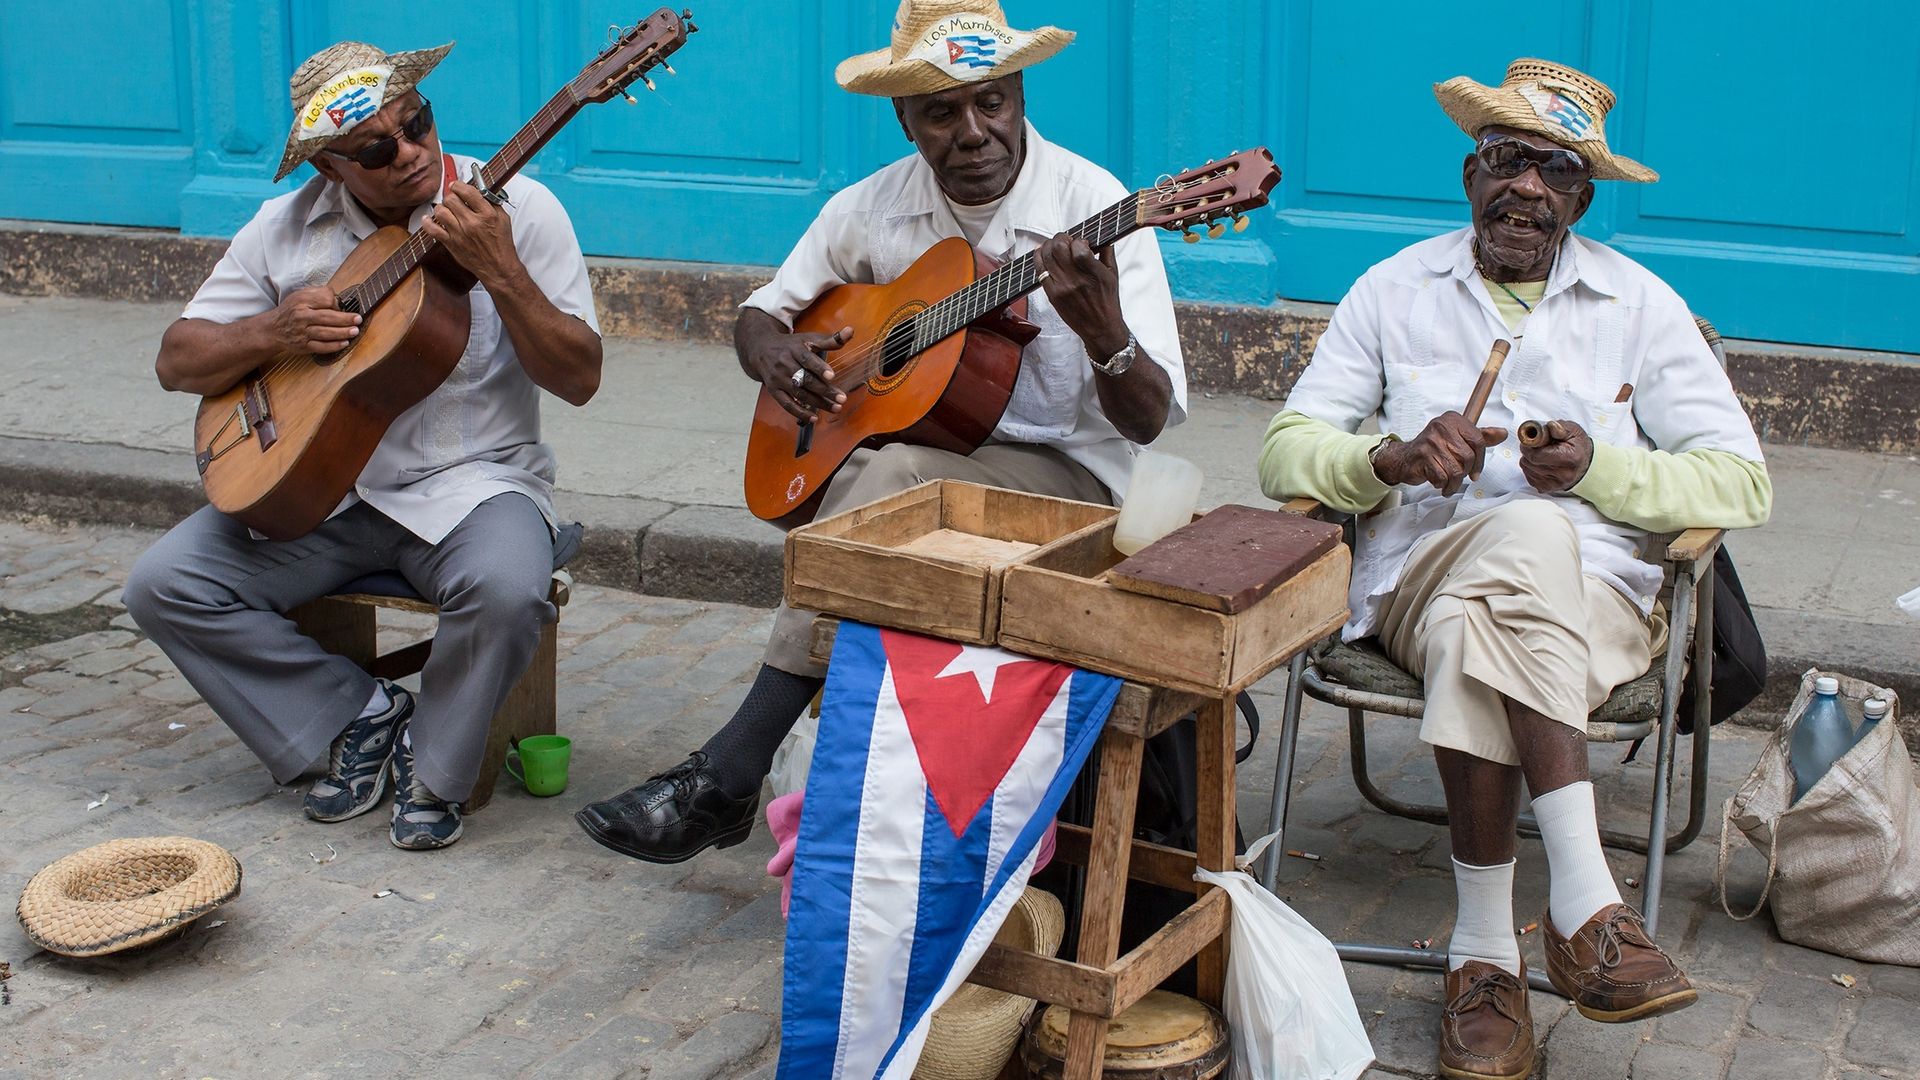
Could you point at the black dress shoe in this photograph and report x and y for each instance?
(672, 817)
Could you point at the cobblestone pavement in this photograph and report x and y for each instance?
(528, 951)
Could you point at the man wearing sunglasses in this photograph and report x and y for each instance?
(1519, 583)
(456, 498)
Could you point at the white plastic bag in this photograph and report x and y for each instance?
(1909, 603)
(793, 758)
(1287, 998)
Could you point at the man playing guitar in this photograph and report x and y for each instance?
(1103, 377)
(457, 498)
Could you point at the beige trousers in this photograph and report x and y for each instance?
(874, 474)
(1497, 607)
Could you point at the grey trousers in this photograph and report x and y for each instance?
(215, 600)
(875, 474)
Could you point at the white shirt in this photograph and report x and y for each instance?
(874, 230)
(476, 436)
(1409, 340)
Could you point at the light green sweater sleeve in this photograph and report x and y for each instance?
(1662, 492)
(1312, 458)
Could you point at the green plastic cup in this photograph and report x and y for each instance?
(544, 759)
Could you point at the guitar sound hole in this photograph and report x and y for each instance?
(897, 351)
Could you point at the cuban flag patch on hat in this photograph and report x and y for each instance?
(345, 100)
(1558, 110)
(968, 46)
(937, 770)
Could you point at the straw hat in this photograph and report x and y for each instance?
(341, 85)
(125, 893)
(941, 44)
(1548, 99)
(975, 1032)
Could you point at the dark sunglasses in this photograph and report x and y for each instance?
(1561, 170)
(380, 153)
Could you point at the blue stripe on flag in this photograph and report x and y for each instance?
(816, 968)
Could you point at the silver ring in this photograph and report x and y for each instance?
(1042, 279)
(799, 377)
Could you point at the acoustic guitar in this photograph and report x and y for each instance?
(935, 352)
(283, 446)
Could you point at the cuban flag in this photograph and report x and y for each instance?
(938, 767)
(971, 50)
(351, 107)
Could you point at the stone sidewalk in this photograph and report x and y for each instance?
(526, 951)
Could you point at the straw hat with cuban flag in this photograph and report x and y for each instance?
(340, 86)
(1544, 98)
(941, 44)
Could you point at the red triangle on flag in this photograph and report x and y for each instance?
(965, 743)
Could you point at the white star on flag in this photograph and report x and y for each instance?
(983, 662)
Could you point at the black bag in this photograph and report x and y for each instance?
(1739, 656)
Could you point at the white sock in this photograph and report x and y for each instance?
(1580, 882)
(1483, 926)
(378, 703)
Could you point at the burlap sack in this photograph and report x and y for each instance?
(1843, 863)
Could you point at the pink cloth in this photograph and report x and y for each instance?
(783, 821)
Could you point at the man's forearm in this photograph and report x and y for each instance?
(1138, 399)
(202, 357)
(559, 352)
(752, 330)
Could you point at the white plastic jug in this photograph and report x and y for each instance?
(1160, 498)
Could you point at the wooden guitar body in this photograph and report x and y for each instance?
(949, 395)
(281, 448)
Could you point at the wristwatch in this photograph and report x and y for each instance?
(1119, 362)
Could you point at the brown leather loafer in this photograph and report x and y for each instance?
(1612, 970)
(1486, 1029)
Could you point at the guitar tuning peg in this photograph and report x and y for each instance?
(1239, 223)
(631, 100)
(648, 81)
(1190, 236)
(1216, 231)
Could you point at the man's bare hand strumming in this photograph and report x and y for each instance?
(771, 353)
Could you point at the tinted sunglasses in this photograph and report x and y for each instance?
(380, 153)
(1561, 170)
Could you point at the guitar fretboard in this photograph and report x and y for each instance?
(511, 158)
(1014, 279)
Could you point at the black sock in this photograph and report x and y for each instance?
(741, 753)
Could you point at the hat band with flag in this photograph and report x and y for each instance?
(942, 44)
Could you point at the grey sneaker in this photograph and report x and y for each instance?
(421, 822)
(357, 763)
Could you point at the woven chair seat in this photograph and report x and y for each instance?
(125, 893)
(1362, 666)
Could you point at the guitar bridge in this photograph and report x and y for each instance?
(254, 416)
(805, 441)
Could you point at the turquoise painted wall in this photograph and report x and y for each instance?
(1789, 145)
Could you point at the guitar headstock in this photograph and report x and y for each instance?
(635, 52)
(1227, 188)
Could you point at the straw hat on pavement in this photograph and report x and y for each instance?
(125, 893)
(972, 1036)
(341, 85)
(941, 44)
(1544, 98)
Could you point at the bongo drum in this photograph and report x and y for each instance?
(1164, 1036)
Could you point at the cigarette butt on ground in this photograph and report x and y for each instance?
(1308, 855)
(1529, 928)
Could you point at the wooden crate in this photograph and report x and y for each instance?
(929, 559)
(1057, 603)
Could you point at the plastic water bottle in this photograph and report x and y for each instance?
(1875, 710)
(1823, 734)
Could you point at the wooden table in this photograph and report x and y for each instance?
(1100, 983)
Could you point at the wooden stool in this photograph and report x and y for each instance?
(346, 624)
(1099, 984)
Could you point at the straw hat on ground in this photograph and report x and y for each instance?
(1544, 98)
(941, 44)
(125, 893)
(341, 85)
(975, 1032)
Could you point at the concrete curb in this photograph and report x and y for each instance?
(1845, 399)
(725, 555)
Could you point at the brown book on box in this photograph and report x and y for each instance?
(1228, 559)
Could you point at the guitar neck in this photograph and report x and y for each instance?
(520, 149)
(1018, 277)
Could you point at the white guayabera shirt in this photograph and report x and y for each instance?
(871, 232)
(1609, 346)
(476, 436)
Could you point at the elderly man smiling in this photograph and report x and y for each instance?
(1515, 581)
